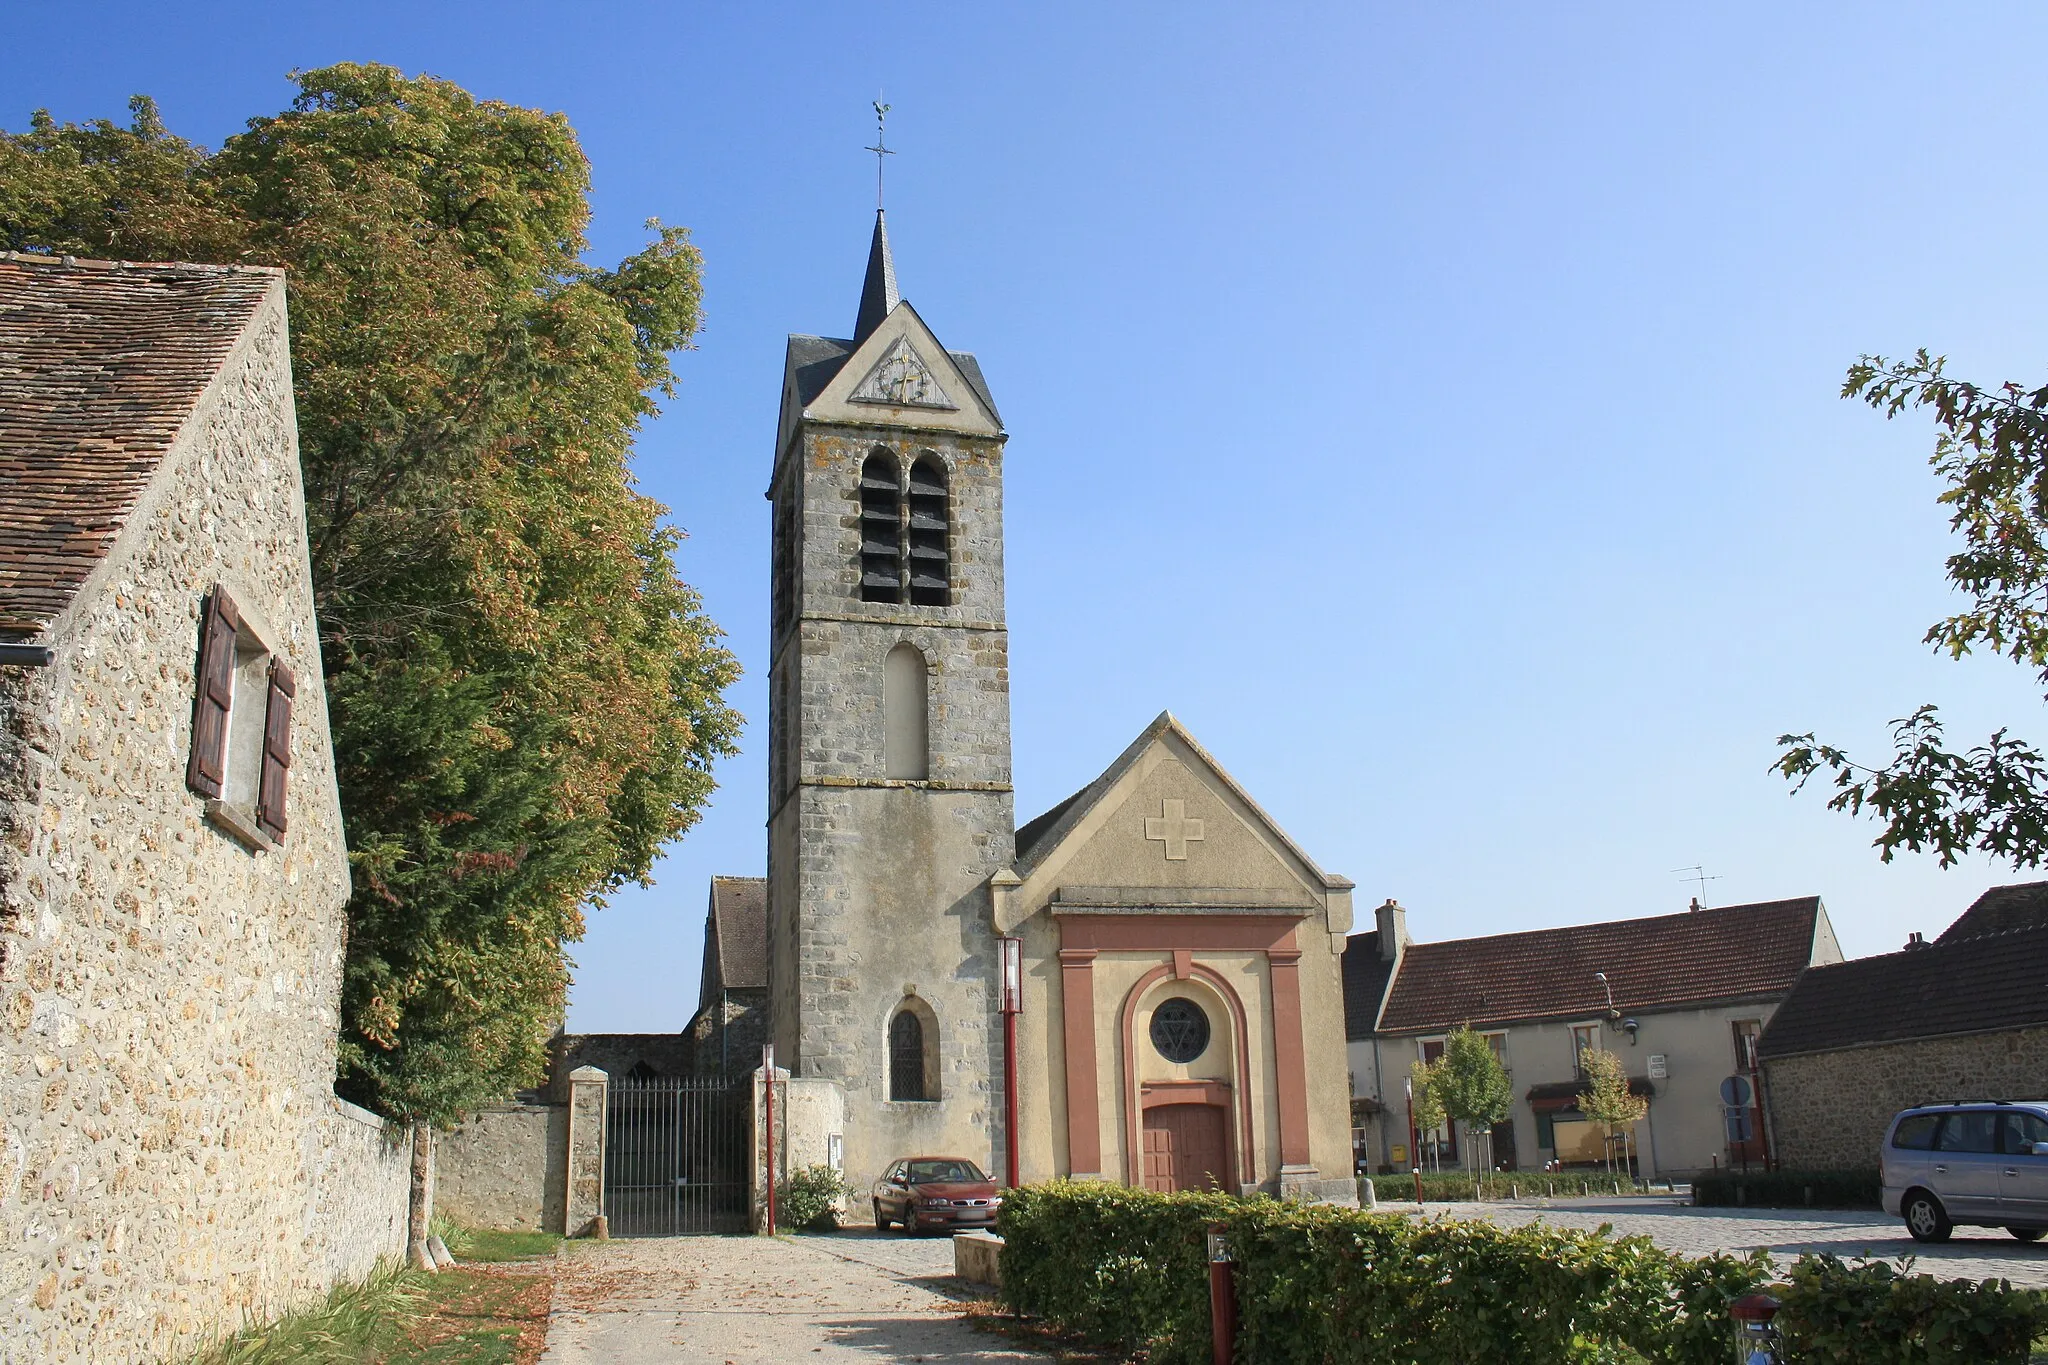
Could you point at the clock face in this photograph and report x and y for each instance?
(903, 380)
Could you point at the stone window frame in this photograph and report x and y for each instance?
(907, 723)
(927, 1019)
(904, 521)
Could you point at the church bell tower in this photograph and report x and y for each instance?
(889, 732)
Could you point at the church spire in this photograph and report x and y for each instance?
(878, 296)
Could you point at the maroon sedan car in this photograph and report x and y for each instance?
(922, 1192)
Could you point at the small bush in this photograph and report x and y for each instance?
(1455, 1187)
(809, 1198)
(1790, 1190)
(1835, 1312)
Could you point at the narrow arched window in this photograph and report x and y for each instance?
(906, 1056)
(881, 529)
(930, 524)
(906, 722)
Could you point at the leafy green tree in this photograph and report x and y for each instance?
(1474, 1086)
(526, 698)
(1427, 1101)
(1991, 451)
(1608, 1101)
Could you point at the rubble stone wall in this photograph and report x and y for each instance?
(504, 1167)
(1829, 1110)
(172, 1163)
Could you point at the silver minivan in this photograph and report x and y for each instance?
(1982, 1164)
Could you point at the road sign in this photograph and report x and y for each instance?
(1735, 1090)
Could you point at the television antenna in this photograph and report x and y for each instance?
(1698, 873)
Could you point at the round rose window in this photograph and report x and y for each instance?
(1180, 1030)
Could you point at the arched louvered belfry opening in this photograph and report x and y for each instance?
(906, 714)
(930, 527)
(911, 1073)
(881, 529)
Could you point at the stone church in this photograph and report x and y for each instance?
(1176, 992)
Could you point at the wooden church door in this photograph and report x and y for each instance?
(1185, 1147)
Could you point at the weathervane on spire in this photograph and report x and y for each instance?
(880, 149)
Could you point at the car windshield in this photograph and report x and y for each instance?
(937, 1172)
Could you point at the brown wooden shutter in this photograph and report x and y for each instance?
(277, 750)
(206, 772)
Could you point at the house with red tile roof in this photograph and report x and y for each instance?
(1680, 998)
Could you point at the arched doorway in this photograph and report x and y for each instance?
(1187, 1147)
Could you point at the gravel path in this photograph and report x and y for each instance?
(1974, 1253)
(849, 1296)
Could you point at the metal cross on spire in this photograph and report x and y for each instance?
(881, 148)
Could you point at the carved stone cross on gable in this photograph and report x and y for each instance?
(1174, 829)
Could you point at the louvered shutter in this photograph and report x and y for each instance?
(277, 751)
(206, 772)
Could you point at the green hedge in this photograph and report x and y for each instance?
(1790, 1190)
(1445, 1187)
(1318, 1285)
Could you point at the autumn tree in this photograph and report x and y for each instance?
(1474, 1087)
(1426, 1103)
(526, 698)
(1607, 1099)
(1991, 452)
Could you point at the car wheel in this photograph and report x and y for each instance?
(880, 1222)
(2028, 1234)
(1925, 1218)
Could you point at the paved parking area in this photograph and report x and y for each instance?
(1974, 1253)
(849, 1296)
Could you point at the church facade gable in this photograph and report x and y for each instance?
(1183, 992)
(902, 374)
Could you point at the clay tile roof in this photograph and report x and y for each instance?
(1732, 953)
(100, 365)
(1966, 985)
(2001, 910)
(739, 928)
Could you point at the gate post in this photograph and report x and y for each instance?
(758, 1173)
(583, 1190)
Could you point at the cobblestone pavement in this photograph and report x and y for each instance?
(1974, 1253)
(849, 1296)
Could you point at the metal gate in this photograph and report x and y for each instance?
(675, 1155)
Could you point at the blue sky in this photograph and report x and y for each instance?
(1434, 406)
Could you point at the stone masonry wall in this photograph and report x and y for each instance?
(1828, 1110)
(504, 1168)
(362, 1180)
(168, 998)
(876, 885)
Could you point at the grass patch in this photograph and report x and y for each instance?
(357, 1323)
(489, 1244)
(490, 1310)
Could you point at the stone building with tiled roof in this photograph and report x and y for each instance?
(731, 1021)
(1963, 1017)
(1679, 997)
(172, 869)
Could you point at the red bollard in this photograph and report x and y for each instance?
(1222, 1299)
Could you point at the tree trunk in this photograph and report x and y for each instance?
(418, 1210)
